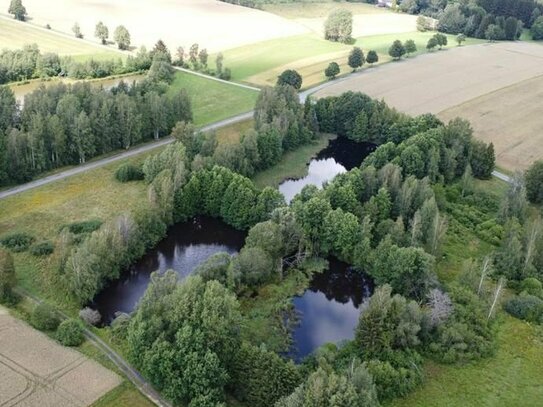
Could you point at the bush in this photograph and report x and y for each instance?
(70, 333)
(44, 318)
(90, 316)
(17, 242)
(42, 249)
(87, 226)
(527, 307)
(532, 286)
(534, 182)
(128, 172)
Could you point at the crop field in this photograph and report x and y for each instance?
(496, 86)
(309, 54)
(35, 370)
(214, 25)
(14, 35)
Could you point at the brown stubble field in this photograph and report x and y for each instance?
(497, 87)
(37, 371)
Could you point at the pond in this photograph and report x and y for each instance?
(340, 156)
(182, 250)
(328, 311)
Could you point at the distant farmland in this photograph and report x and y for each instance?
(498, 87)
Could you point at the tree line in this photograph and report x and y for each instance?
(63, 125)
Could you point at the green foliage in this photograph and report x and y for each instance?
(8, 279)
(356, 58)
(101, 32)
(339, 26)
(410, 47)
(537, 29)
(42, 248)
(372, 57)
(397, 50)
(17, 9)
(332, 70)
(173, 158)
(534, 182)
(87, 226)
(290, 77)
(44, 318)
(526, 307)
(128, 172)
(70, 333)
(122, 37)
(532, 286)
(17, 242)
(260, 377)
(184, 337)
(431, 44)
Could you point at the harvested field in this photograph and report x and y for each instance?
(36, 371)
(498, 87)
(510, 118)
(214, 25)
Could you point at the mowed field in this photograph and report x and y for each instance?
(496, 86)
(37, 371)
(214, 25)
(14, 35)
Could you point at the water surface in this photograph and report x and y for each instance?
(339, 156)
(182, 250)
(330, 308)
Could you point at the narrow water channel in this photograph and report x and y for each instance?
(339, 156)
(182, 250)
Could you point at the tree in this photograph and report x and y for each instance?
(396, 50)
(203, 56)
(339, 26)
(8, 279)
(482, 159)
(372, 57)
(356, 58)
(511, 28)
(219, 60)
(410, 47)
(423, 23)
(193, 56)
(290, 77)
(460, 38)
(537, 29)
(101, 32)
(534, 182)
(432, 43)
(70, 333)
(17, 9)
(441, 40)
(494, 33)
(43, 317)
(452, 20)
(122, 37)
(332, 70)
(76, 29)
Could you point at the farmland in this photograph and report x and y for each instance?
(35, 370)
(487, 91)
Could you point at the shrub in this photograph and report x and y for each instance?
(128, 172)
(90, 316)
(290, 77)
(70, 333)
(527, 307)
(532, 286)
(44, 318)
(7, 278)
(87, 226)
(17, 242)
(42, 249)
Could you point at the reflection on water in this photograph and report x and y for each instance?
(329, 309)
(340, 156)
(184, 248)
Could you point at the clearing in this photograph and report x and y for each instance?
(36, 370)
(454, 83)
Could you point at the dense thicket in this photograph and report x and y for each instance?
(62, 125)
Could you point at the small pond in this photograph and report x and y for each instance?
(182, 250)
(328, 311)
(340, 156)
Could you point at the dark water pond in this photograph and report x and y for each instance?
(340, 156)
(184, 248)
(329, 309)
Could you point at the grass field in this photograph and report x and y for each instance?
(14, 35)
(309, 54)
(211, 100)
(499, 91)
(320, 9)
